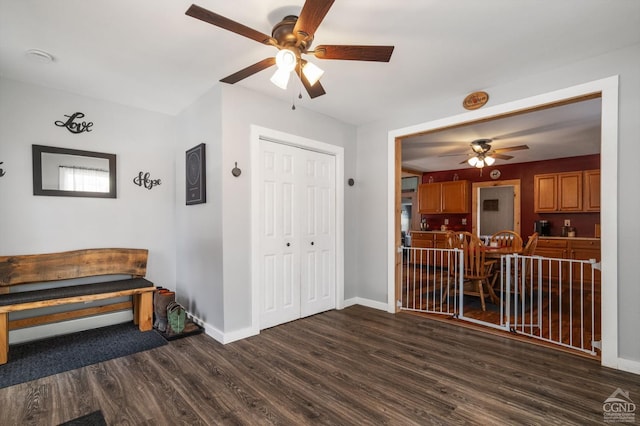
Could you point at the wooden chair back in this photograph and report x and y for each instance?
(473, 253)
(507, 239)
(530, 248)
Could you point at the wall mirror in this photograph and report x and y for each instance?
(73, 173)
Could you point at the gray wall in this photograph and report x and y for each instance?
(214, 240)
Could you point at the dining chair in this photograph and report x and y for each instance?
(532, 243)
(507, 238)
(526, 263)
(476, 270)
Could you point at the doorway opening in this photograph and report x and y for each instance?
(607, 90)
(495, 206)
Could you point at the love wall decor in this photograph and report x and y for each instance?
(75, 126)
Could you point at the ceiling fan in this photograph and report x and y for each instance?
(482, 154)
(293, 37)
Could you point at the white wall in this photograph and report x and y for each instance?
(199, 227)
(221, 285)
(372, 169)
(141, 140)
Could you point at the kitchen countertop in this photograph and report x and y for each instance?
(548, 237)
(569, 238)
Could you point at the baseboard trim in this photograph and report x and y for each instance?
(222, 337)
(629, 366)
(365, 302)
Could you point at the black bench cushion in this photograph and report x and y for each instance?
(72, 291)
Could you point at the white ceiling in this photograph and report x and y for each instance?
(149, 54)
(562, 131)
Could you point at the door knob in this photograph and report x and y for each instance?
(311, 242)
(288, 244)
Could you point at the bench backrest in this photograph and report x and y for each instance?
(34, 268)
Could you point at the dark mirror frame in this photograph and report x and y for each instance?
(37, 151)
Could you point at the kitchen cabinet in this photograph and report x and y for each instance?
(444, 197)
(577, 191)
(429, 239)
(591, 199)
(545, 192)
(570, 192)
(569, 248)
(429, 195)
(553, 248)
(422, 239)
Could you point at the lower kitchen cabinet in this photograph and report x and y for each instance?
(569, 248)
(428, 239)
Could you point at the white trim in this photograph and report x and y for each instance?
(629, 365)
(221, 336)
(608, 87)
(258, 133)
(381, 306)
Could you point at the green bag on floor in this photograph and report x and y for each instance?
(177, 317)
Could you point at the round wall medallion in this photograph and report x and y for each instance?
(495, 174)
(475, 100)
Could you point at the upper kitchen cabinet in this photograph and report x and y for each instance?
(567, 192)
(444, 197)
(545, 193)
(570, 192)
(591, 199)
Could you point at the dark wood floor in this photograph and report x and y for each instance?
(355, 366)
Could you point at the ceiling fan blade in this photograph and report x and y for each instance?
(311, 15)
(249, 71)
(455, 155)
(501, 156)
(354, 53)
(313, 91)
(511, 148)
(227, 24)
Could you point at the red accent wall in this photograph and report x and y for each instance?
(583, 222)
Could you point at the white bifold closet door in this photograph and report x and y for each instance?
(297, 233)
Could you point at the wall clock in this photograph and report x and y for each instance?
(495, 174)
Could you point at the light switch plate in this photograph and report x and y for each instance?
(567, 222)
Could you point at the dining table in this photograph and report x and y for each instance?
(494, 254)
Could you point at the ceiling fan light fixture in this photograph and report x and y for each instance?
(489, 160)
(312, 72)
(281, 78)
(480, 163)
(286, 60)
(472, 161)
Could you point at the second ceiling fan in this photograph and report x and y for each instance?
(293, 37)
(483, 155)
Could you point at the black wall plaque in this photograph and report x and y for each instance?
(75, 127)
(196, 176)
(144, 179)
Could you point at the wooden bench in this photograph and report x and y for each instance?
(39, 268)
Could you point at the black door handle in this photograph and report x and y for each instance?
(288, 244)
(311, 242)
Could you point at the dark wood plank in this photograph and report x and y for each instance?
(355, 366)
(37, 268)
